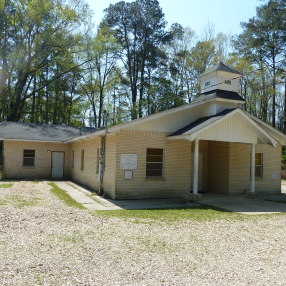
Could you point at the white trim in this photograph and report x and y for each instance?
(196, 167)
(267, 126)
(252, 169)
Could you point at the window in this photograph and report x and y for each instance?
(72, 162)
(154, 163)
(82, 160)
(227, 81)
(258, 165)
(28, 158)
(97, 161)
(208, 83)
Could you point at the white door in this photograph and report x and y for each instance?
(58, 165)
(201, 171)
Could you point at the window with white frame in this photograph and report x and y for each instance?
(208, 83)
(227, 82)
(258, 165)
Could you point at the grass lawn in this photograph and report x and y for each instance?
(64, 197)
(4, 186)
(200, 213)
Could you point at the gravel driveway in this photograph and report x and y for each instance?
(44, 242)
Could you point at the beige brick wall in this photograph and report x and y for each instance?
(110, 166)
(88, 176)
(13, 159)
(176, 181)
(240, 168)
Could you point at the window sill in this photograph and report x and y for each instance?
(155, 178)
(28, 167)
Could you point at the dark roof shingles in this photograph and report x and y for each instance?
(41, 132)
(222, 67)
(232, 95)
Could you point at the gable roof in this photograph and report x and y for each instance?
(224, 94)
(148, 118)
(40, 132)
(201, 121)
(206, 123)
(221, 67)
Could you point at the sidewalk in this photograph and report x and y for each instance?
(92, 202)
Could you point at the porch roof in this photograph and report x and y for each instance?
(238, 128)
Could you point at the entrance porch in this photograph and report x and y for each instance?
(231, 154)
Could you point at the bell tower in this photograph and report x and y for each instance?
(220, 86)
(220, 77)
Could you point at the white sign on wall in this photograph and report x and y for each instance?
(128, 175)
(128, 161)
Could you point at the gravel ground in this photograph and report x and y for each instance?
(43, 242)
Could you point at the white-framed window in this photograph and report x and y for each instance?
(208, 83)
(154, 163)
(227, 81)
(258, 165)
(28, 158)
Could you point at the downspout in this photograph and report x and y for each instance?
(102, 156)
(102, 163)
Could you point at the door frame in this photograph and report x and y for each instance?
(63, 164)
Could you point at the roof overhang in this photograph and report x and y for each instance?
(279, 136)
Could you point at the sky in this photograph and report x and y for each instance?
(225, 15)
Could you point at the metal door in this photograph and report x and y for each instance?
(58, 165)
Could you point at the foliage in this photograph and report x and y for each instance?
(263, 44)
(56, 68)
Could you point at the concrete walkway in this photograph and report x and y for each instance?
(240, 204)
(93, 202)
(234, 203)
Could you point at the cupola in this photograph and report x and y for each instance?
(219, 87)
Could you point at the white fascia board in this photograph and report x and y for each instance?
(265, 133)
(280, 134)
(139, 120)
(230, 100)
